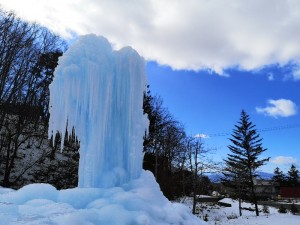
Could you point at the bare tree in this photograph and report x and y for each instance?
(28, 57)
(194, 150)
(165, 135)
(163, 145)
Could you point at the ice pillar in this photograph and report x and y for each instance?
(99, 91)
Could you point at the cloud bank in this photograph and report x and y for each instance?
(278, 108)
(190, 34)
(283, 160)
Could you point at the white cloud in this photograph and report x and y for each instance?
(201, 136)
(279, 108)
(190, 34)
(283, 160)
(271, 76)
(296, 74)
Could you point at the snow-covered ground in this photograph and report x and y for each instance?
(139, 202)
(217, 215)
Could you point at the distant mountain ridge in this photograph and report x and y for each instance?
(216, 177)
(265, 175)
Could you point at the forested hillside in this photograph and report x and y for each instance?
(28, 56)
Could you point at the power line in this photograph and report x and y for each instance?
(277, 128)
(284, 127)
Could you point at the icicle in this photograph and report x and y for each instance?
(100, 92)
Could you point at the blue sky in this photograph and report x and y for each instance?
(208, 60)
(209, 104)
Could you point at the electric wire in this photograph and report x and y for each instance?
(277, 128)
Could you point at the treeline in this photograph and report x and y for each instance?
(290, 179)
(28, 56)
(177, 161)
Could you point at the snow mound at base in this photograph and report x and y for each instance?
(139, 202)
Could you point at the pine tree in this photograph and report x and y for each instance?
(293, 176)
(242, 163)
(279, 177)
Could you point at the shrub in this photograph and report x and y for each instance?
(232, 216)
(282, 209)
(266, 209)
(294, 210)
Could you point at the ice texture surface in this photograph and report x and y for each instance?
(99, 91)
(138, 202)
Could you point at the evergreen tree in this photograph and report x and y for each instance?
(243, 161)
(293, 176)
(279, 177)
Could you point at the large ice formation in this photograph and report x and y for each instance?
(100, 92)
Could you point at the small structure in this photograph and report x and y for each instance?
(210, 199)
(266, 189)
(290, 192)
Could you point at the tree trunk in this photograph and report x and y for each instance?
(254, 199)
(156, 164)
(6, 173)
(240, 206)
(194, 202)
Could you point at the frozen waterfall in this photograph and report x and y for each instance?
(99, 91)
